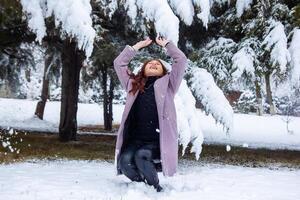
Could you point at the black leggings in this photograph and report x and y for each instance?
(136, 162)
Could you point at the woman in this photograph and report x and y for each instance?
(148, 129)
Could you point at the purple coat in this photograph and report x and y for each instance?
(165, 89)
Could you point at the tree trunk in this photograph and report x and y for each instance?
(40, 107)
(72, 59)
(110, 101)
(106, 106)
(269, 94)
(107, 100)
(259, 106)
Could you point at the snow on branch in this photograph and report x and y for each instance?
(294, 50)
(131, 10)
(189, 129)
(212, 98)
(241, 6)
(36, 19)
(185, 10)
(205, 10)
(165, 22)
(72, 16)
(242, 61)
(276, 42)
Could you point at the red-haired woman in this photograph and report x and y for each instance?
(148, 129)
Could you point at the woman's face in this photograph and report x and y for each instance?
(153, 68)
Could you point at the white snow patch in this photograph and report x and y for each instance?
(97, 180)
(228, 147)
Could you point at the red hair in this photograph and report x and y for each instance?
(140, 79)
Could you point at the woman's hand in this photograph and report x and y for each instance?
(142, 44)
(161, 41)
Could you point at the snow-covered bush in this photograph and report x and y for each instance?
(246, 103)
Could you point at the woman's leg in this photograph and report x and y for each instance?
(144, 162)
(127, 164)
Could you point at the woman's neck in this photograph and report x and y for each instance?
(151, 79)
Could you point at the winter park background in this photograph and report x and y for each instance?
(238, 106)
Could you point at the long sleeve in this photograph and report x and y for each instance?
(121, 64)
(178, 66)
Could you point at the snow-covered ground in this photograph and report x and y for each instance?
(42, 180)
(249, 130)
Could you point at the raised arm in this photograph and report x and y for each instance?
(178, 66)
(121, 64)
